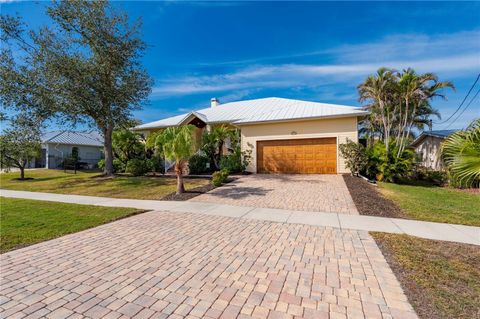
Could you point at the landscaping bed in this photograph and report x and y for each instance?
(24, 222)
(440, 279)
(189, 194)
(368, 200)
(194, 192)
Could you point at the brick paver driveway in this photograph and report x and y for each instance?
(325, 193)
(175, 265)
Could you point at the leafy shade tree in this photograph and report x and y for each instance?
(20, 143)
(461, 154)
(178, 144)
(88, 63)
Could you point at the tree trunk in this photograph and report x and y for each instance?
(22, 172)
(179, 173)
(108, 151)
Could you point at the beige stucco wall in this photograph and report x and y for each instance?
(428, 152)
(341, 128)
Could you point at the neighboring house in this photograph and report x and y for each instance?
(283, 135)
(58, 145)
(427, 146)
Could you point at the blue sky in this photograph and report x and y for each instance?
(318, 51)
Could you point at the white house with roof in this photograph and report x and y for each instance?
(283, 135)
(58, 145)
(428, 146)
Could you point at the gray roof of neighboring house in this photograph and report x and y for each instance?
(73, 138)
(259, 111)
(439, 133)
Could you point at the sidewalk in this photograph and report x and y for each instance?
(428, 230)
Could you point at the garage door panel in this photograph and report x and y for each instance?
(301, 156)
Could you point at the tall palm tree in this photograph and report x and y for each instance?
(461, 154)
(416, 91)
(178, 144)
(221, 133)
(378, 91)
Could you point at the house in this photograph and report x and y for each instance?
(58, 145)
(283, 135)
(427, 146)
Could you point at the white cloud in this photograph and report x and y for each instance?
(305, 75)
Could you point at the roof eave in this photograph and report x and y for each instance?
(357, 114)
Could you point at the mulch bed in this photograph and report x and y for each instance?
(368, 200)
(189, 194)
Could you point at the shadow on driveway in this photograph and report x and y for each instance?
(233, 191)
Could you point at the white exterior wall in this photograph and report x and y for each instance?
(428, 152)
(57, 152)
(341, 128)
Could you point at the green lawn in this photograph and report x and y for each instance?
(25, 222)
(436, 204)
(91, 183)
(441, 279)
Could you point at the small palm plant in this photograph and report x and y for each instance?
(461, 154)
(178, 144)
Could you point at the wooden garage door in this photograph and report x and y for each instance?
(299, 156)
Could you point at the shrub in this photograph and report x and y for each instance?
(137, 167)
(429, 175)
(156, 164)
(355, 156)
(232, 162)
(118, 166)
(198, 164)
(224, 173)
(387, 166)
(236, 162)
(220, 177)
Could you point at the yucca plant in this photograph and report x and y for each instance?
(461, 155)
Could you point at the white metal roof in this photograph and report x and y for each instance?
(73, 138)
(259, 111)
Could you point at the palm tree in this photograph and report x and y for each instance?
(461, 154)
(378, 91)
(178, 144)
(221, 133)
(415, 93)
(398, 101)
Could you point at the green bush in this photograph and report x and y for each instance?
(101, 164)
(220, 177)
(118, 166)
(232, 162)
(156, 164)
(237, 161)
(137, 167)
(429, 175)
(198, 164)
(387, 166)
(224, 173)
(355, 156)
